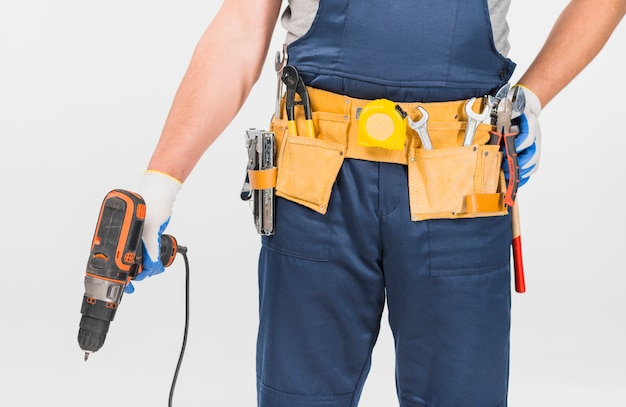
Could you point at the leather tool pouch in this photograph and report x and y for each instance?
(308, 167)
(449, 181)
(454, 181)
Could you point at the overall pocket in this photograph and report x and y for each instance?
(308, 167)
(456, 182)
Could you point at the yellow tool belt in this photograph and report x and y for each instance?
(448, 181)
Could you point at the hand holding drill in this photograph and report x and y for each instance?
(159, 191)
(118, 254)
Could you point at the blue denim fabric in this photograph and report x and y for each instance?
(323, 281)
(405, 50)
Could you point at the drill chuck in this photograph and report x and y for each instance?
(114, 260)
(92, 333)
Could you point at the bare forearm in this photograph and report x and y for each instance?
(578, 35)
(226, 63)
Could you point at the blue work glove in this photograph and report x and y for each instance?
(159, 191)
(528, 140)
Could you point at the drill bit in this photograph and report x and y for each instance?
(86, 356)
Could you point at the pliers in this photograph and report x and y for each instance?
(295, 84)
(503, 131)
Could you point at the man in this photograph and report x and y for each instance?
(366, 232)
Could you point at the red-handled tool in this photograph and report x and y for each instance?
(512, 162)
(518, 264)
(503, 133)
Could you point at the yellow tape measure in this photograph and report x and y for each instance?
(382, 123)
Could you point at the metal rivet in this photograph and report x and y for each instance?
(322, 207)
(475, 148)
(414, 217)
(412, 159)
(345, 117)
(341, 153)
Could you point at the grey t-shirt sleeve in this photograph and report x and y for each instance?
(498, 10)
(298, 17)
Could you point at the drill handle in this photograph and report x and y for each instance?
(169, 248)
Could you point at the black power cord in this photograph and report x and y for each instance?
(186, 330)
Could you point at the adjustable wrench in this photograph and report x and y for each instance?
(473, 120)
(421, 128)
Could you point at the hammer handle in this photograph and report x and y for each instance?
(518, 264)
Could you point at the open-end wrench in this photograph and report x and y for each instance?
(473, 120)
(421, 128)
(280, 60)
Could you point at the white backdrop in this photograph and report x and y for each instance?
(84, 91)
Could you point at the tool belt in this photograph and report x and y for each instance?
(448, 181)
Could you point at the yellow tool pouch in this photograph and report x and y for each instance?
(456, 182)
(308, 167)
(449, 181)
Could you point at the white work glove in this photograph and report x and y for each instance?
(159, 191)
(528, 140)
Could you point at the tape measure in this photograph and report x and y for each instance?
(382, 123)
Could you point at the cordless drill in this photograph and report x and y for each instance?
(115, 259)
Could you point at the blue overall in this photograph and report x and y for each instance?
(324, 279)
